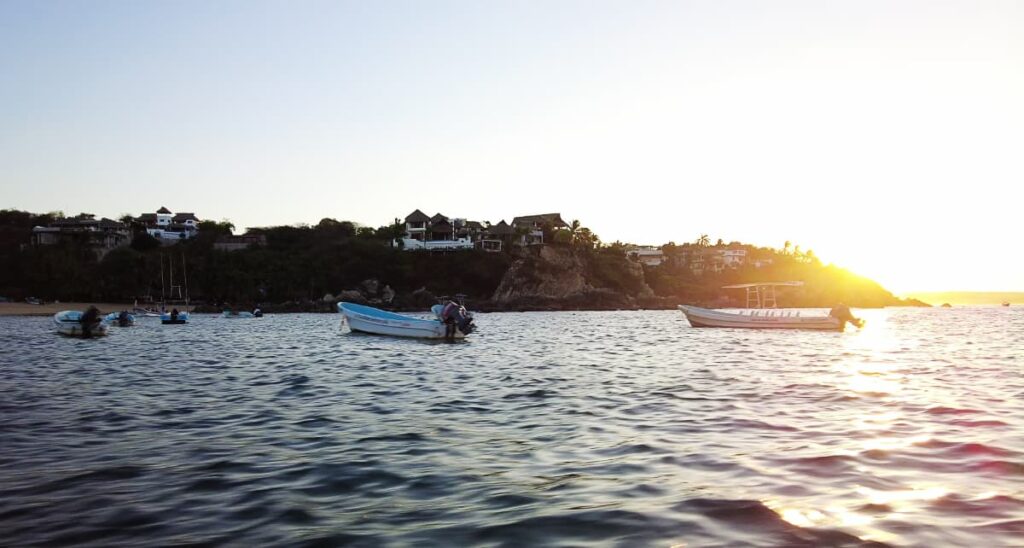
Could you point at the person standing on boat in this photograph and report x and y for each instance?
(90, 318)
(449, 315)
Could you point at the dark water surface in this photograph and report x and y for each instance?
(588, 428)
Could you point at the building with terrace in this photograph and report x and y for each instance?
(101, 235)
(531, 227)
(169, 227)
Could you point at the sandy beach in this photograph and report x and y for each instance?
(25, 309)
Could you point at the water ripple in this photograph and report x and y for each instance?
(576, 428)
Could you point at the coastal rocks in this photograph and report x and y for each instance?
(387, 295)
(352, 296)
(368, 291)
(421, 298)
(369, 287)
(560, 278)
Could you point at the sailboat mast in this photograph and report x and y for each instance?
(163, 291)
(184, 273)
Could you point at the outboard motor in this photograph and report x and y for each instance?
(465, 321)
(454, 313)
(842, 313)
(89, 320)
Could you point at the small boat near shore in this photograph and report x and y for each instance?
(174, 317)
(120, 319)
(367, 319)
(236, 314)
(69, 324)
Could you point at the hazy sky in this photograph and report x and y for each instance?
(887, 136)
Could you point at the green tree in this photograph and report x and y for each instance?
(216, 229)
(144, 242)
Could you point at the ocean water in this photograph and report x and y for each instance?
(570, 428)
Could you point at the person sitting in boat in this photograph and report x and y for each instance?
(174, 314)
(842, 313)
(257, 312)
(123, 319)
(90, 319)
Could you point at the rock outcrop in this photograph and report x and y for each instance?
(559, 278)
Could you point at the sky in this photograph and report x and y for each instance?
(886, 136)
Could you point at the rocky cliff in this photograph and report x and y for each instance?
(558, 278)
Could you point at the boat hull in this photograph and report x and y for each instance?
(114, 318)
(762, 319)
(237, 315)
(68, 324)
(366, 319)
(167, 320)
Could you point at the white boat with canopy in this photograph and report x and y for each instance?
(762, 314)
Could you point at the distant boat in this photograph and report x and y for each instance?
(236, 314)
(172, 318)
(176, 294)
(114, 318)
(947, 305)
(69, 323)
(366, 319)
(1007, 303)
(761, 297)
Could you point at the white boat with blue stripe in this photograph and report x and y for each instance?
(69, 323)
(367, 319)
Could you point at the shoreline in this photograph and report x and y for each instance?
(49, 309)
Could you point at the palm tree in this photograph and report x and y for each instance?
(703, 241)
(588, 239)
(785, 248)
(574, 231)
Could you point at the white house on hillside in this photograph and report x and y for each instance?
(168, 227)
(434, 233)
(650, 256)
(732, 256)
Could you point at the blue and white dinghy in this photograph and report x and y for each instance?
(366, 319)
(174, 317)
(69, 323)
(120, 319)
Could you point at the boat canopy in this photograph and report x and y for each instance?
(762, 295)
(763, 284)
